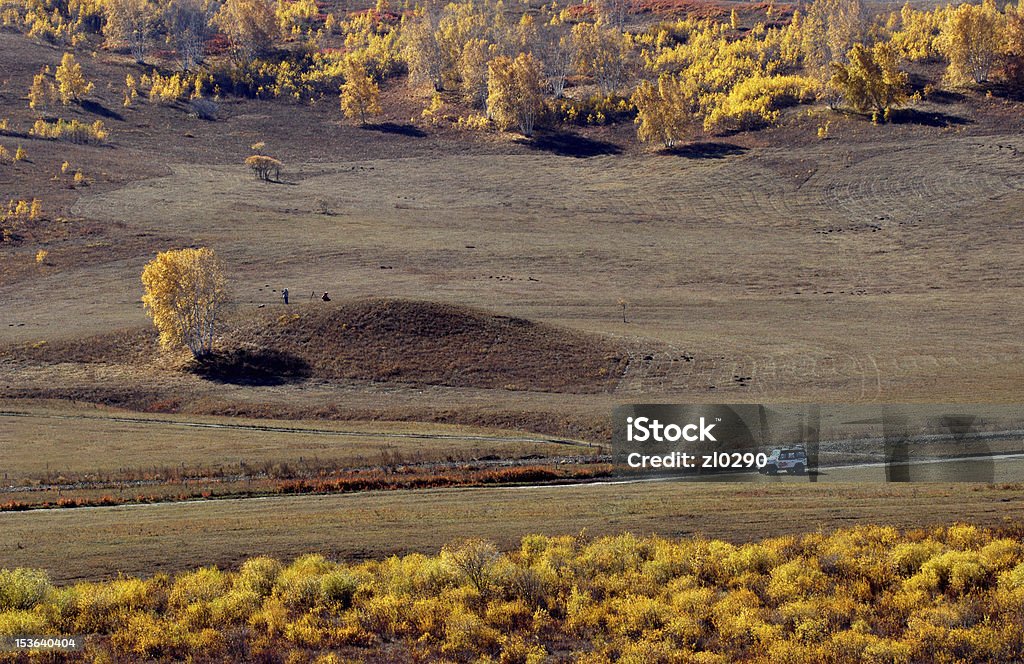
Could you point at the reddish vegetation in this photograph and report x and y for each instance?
(416, 479)
(341, 482)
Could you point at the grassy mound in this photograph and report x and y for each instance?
(427, 342)
(376, 339)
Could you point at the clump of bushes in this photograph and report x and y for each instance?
(869, 593)
(71, 130)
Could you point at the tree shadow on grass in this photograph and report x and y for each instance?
(706, 150)
(96, 108)
(412, 131)
(916, 117)
(569, 144)
(246, 366)
(945, 97)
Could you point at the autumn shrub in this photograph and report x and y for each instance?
(758, 101)
(104, 607)
(299, 586)
(949, 595)
(73, 131)
(199, 587)
(591, 110)
(953, 572)
(166, 89)
(22, 589)
(20, 623)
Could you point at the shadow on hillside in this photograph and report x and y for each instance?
(409, 130)
(916, 117)
(568, 144)
(945, 97)
(244, 366)
(706, 150)
(99, 109)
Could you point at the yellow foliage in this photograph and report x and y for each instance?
(867, 594)
(166, 89)
(971, 40)
(43, 90)
(664, 112)
(757, 101)
(871, 80)
(71, 83)
(515, 92)
(22, 589)
(21, 623)
(953, 572)
(917, 36)
(360, 96)
(73, 131)
(251, 25)
(184, 292)
(264, 167)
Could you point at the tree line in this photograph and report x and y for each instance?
(512, 67)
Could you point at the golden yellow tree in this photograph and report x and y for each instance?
(71, 83)
(515, 92)
(43, 91)
(972, 41)
(360, 95)
(871, 80)
(665, 110)
(184, 295)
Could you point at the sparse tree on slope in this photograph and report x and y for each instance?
(188, 24)
(184, 294)
(71, 83)
(422, 50)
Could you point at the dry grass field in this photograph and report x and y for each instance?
(92, 443)
(878, 271)
(92, 543)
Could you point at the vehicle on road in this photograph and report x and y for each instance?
(792, 460)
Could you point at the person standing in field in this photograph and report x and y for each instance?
(284, 294)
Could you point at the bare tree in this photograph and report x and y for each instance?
(188, 25)
(131, 22)
(557, 51)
